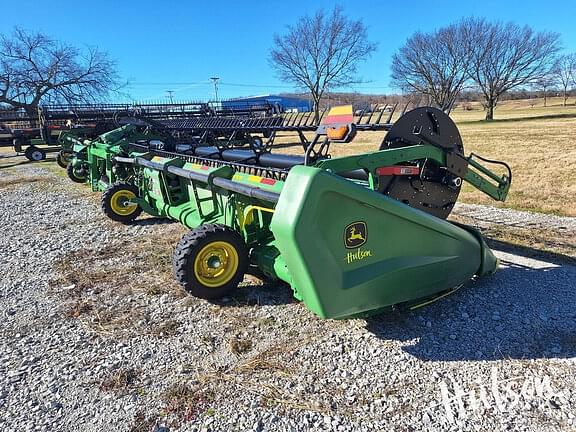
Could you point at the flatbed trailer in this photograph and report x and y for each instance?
(45, 134)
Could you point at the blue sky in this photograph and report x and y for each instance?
(178, 45)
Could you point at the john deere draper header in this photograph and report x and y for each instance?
(350, 235)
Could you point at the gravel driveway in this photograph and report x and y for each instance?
(95, 336)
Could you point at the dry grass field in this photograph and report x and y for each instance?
(542, 154)
(539, 143)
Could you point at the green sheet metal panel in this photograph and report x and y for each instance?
(394, 254)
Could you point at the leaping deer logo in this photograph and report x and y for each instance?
(355, 235)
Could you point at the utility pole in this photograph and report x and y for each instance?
(170, 95)
(215, 80)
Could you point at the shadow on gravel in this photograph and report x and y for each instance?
(152, 221)
(525, 311)
(24, 162)
(258, 294)
(548, 256)
(9, 155)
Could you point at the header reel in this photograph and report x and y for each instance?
(428, 184)
(340, 231)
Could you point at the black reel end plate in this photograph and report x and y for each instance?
(435, 190)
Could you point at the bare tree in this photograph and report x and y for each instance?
(506, 56)
(546, 82)
(35, 68)
(321, 52)
(434, 64)
(565, 71)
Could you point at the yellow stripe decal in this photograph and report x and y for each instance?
(254, 178)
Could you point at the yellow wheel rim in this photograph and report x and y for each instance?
(120, 202)
(216, 264)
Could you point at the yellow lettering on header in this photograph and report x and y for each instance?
(358, 255)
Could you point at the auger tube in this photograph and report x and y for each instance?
(230, 185)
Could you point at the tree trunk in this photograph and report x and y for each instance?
(316, 110)
(490, 109)
(565, 97)
(31, 111)
(545, 98)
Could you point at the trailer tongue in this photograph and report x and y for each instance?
(350, 235)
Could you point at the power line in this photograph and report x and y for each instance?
(166, 83)
(224, 83)
(209, 83)
(257, 85)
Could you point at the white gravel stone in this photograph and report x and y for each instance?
(387, 372)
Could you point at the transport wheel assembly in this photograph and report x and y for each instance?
(117, 202)
(210, 261)
(76, 173)
(35, 154)
(63, 158)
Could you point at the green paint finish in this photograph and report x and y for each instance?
(477, 175)
(404, 254)
(268, 259)
(69, 139)
(194, 202)
(96, 156)
(344, 248)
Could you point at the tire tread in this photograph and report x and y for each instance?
(107, 195)
(185, 251)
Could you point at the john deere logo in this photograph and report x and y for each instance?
(355, 235)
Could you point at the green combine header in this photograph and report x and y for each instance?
(351, 235)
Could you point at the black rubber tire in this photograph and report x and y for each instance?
(35, 154)
(17, 143)
(73, 175)
(107, 206)
(63, 159)
(187, 250)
